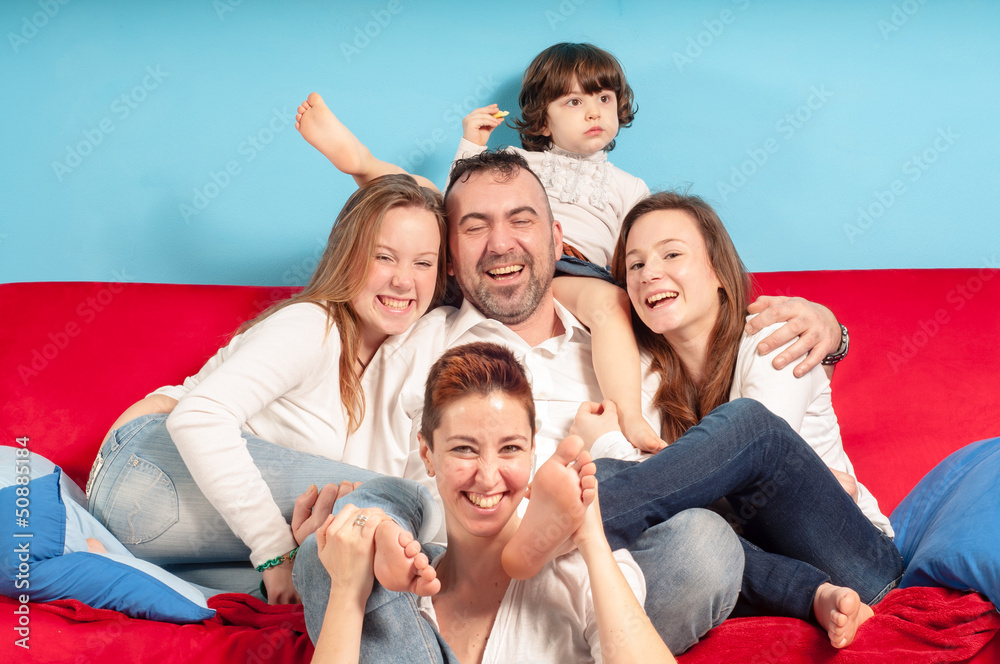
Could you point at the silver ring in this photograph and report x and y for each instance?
(361, 520)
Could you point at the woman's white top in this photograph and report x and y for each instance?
(805, 403)
(279, 380)
(549, 618)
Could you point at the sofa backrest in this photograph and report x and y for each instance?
(73, 356)
(917, 385)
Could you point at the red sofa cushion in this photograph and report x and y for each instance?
(919, 384)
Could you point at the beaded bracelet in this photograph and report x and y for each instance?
(273, 562)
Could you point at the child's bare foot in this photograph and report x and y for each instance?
(840, 612)
(321, 128)
(399, 563)
(642, 436)
(561, 492)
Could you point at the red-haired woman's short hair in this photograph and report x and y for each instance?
(479, 369)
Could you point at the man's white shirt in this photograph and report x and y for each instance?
(561, 371)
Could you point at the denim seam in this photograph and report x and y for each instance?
(130, 514)
(114, 449)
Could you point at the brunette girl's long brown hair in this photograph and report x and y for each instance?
(343, 270)
(682, 402)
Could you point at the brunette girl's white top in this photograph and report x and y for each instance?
(806, 404)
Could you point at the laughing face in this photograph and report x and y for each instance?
(401, 276)
(669, 276)
(503, 244)
(481, 460)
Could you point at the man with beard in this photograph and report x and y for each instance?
(503, 245)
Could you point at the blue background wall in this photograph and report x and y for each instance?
(828, 134)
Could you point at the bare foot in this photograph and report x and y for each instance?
(561, 492)
(95, 546)
(321, 128)
(399, 563)
(840, 612)
(642, 436)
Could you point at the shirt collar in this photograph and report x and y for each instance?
(469, 317)
(596, 157)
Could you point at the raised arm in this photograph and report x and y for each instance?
(480, 123)
(346, 544)
(816, 327)
(627, 636)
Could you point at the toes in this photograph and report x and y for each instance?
(420, 562)
(848, 602)
(412, 549)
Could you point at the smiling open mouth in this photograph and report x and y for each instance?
(485, 502)
(393, 303)
(660, 299)
(506, 272)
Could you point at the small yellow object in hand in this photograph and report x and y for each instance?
(501, 114)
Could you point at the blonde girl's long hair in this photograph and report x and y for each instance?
(343, 270)
(682, 402)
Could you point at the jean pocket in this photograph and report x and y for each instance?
(142, 503)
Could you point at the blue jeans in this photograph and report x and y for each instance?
(692, 563)
(575, 267)
(393, 630)
(141, 490)
(804, 528)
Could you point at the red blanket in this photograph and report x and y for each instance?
(911, 625)
(243, 630)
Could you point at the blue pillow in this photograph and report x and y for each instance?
(948, 527)
(105, 581)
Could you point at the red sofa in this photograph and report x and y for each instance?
(919, 384)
